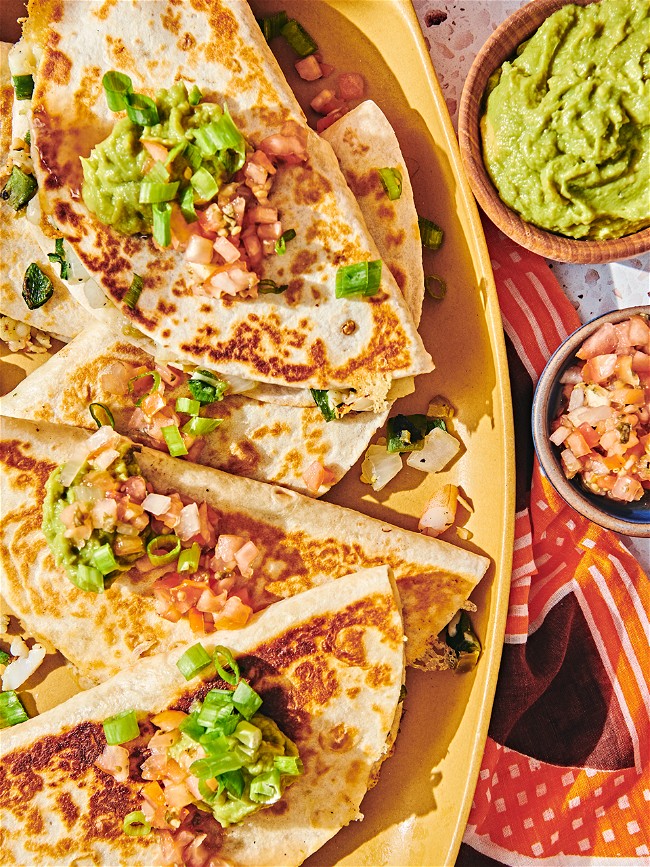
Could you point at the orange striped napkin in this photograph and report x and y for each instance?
(565, 777)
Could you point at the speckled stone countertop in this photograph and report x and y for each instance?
(455, 32)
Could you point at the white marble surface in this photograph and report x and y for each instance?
(455, 32)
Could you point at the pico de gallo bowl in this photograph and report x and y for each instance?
(591, 420)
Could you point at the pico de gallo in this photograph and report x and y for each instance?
(603, 427)
(222, 760)
(177, 167)
(102, 517)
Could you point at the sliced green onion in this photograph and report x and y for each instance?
(37, 287)
(223, 659)
(162, 215)
(298, 38)
(193, 156)
(204, 184)
(59, 257)
(290, 765)
(208, 769)
(12, 711)
(272, 25)
(188, 560)
(155, 379)
(266, 788)
(189, 725)
(104, 559)
(135, 290)
(101, 414)
(270, 287)
(136, 825)
(195, 96)
(193, 660)
(391, 180)
(150, 193)
(23, 86)
(19, 189)
(197, 427)
(121, 728)
(281, 243)
(430, 234)
(435, 286)
(207, 794)
(117, 87)
(222, 135)
(4, 657)
(208, 391)
(88, 578)
(157, 174)
(186, 203)
(188, 405)
(174, 440)
(362, 278)
(163, 543)
(406, 433)
(178, 149)
(246, 700)
(234, 783)
(141, 109)
(248, 735)
(322, 401)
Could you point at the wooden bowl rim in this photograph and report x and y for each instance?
(500, 46)
(547, 454)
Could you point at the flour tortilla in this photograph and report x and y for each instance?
(261, 441)
(330, 665)
(302, 543)
(364, 141)
(296, 338)
(60, 316)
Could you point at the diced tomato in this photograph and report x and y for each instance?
(627, 489)
(639, 333)
(590, 437)
(327, 121)
(115, 761)
(326, 101)
(599, 368)
(178, 796)
(601, 342)
(351, 85)
(168, 719)
(308, 68)
(245, 557)
(233, 615)
(641, 362)
(156, 150)
(315, 476)
(326, 69)
(197, 623)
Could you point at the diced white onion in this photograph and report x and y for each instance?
(439, 512)
(189, 523)
(577, 397)
(596, 395)
(558, 436)
(199, 250)
(21, 669)
(156, 504)
(439, 448)
(380, 466)
(33, 211)
(589, 414)
(239, 385)
(18, 647)
(69, 471)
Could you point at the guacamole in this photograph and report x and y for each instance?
(189, 150)
(566, 128)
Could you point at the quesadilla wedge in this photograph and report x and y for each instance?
(244, 543)
(304, 336)
(60, 315)
(258, 440)
(83, 782)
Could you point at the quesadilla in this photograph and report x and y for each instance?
(261, 441)
(60, 316)
(250, 542)
(84, 780)
(305, 336)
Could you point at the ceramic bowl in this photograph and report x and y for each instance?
(501, 46)
(632, 519)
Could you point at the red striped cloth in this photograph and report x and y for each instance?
(565, 777)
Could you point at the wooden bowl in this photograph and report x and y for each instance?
(632, 519)
(501, 46)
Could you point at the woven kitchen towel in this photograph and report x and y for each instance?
(565, 777)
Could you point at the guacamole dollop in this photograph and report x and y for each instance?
(196, 138)
(566, 128)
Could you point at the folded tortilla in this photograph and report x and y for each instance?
(60, 316)
(261, 441)
(302, 543)
(364, 141)
(302, 337)
(329, 666)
